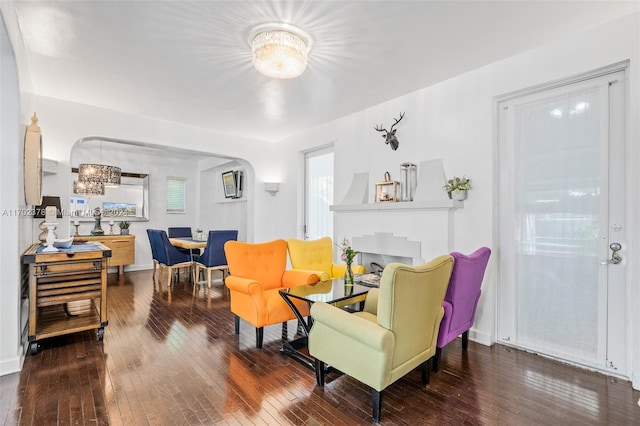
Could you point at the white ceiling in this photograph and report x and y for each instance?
(190, 61)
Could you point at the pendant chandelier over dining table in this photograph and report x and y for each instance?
(88, 188)
(108, 176)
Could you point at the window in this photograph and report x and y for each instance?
(176, 195)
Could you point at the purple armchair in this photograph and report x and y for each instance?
(461, 299)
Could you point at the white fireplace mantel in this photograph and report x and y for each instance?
(407, 205)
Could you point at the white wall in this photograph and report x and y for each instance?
(216, 211)
(11, 195)
(455, 120)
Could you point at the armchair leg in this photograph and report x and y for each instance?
(376, 399)
(259, 337)
(236, 324)
(436, 360)
(465, 340)
(425, 367)
(319, 372)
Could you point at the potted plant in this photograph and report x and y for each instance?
(457, 187)
(124, 227)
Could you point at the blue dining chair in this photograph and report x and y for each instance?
(169, 256)
(179, 232)
(213, 257)
(182, 232)
(154, 250)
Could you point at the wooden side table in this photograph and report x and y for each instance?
(67, 290)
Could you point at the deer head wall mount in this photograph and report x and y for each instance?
(390, 135)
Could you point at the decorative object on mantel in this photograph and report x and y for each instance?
(390, 135)
(348, 256)
(430, 181)
(457, 187)
(387, 191)
(358, 192)
(76, 223)
(409, 180)
(97, 229)
(124, 227)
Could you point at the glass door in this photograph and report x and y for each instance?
(561, 207)
(318, 194)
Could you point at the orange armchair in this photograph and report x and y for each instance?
(257, 274)
(317, 255)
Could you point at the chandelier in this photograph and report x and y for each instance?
(280, 50)
(108, 176)
(88, 188)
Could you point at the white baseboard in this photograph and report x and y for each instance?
(134, 267)
(482, 338)
(138, 267)
(12, 365)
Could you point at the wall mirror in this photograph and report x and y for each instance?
(129, 201)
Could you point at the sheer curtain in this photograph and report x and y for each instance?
(559, 181)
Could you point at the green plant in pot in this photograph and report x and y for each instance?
(124, 227)
(457, 187)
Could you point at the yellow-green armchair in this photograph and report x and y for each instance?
(317, 255)
(395, 333)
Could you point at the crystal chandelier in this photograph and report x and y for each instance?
(88, 188)
(108, 176)
(280, 50)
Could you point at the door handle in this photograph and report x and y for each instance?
(615, 257)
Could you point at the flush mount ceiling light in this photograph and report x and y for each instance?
(280, 50)
(109, 176)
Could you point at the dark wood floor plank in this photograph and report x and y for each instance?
(172, 358)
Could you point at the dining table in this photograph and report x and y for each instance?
(190, 244)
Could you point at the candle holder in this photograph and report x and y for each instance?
(110, 228)
(77, 225)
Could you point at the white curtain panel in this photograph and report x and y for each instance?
(558, 189)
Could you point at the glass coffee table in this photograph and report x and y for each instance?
(334, 292)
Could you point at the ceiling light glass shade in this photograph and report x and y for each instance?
(88, 188)
(109, 176)
(280, 51)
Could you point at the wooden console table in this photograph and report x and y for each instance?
(67, 290)
(123, 248)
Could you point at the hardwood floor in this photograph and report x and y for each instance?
(173, 359)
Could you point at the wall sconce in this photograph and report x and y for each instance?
(272, 187)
